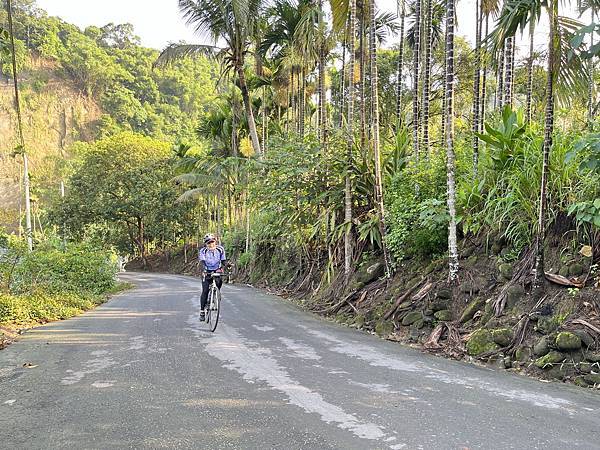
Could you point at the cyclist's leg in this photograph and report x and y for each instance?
(219, 281)
(205, 288)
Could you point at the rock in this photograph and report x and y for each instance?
(568, 341)
(428, 312)
(505, 251)
(514, 294)
(558, 372)
(523, 354)
(546, 325)
(585, 367)
(548, 360)
(496, 248)
(504, 363)
(593, 357)
(503, 337)
(418, 324)
(444, 293)
(469, 288)
(564, 271)
(576, 357)
(579, 381)
(439, 304)
(372, 272)
(493, 323)
(411, 318)
(444, 315)
(592, 378)
(471, 309)
(585, 337)
(384, 328)
(404, 305)
(359, 321)
(481, 342)
(506, 270)
(575, 270)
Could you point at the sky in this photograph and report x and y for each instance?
(159, 23)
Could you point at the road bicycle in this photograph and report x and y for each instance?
(213, 303)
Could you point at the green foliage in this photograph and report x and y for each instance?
(507, 141)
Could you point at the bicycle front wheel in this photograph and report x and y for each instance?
(215, 307)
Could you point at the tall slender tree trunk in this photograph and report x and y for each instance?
(349, 145)
(249, 112)
(26, 186)
(427, 75)
(547, 146)
(415, 83)
(591, 69)
(322, 124)
(508, 82)
(450, 156)
(264, 121)
(375, 135)
(529, 75)
(498, 99)
(363, 77)
(343, 85)
(400, 66)
(484, 82)
(302, 103)
(445, 72)
(476, 85)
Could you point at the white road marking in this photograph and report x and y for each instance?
(265, 328)
(9, 402)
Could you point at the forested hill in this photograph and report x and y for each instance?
(81, 85)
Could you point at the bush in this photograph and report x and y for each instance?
(79, 269)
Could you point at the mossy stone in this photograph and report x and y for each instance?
(503, 337)
(575, 270)
(593, 357)
(444, 293)
(506, 270)
(548, 360)
(592, 378)
(471, 309)
(585, 367)
(418, 324)
(523, 354)
(585, 337)
(439, 304)
(406, 304)
(444, 315)
(481, 342)
(542, 346)
(514, 294)
(547, 325)
(371, 273)
(564, 271)
(579, 381)
(557, 372)
(411, 318)
(384, 328)
(568, 341)
(359, 321)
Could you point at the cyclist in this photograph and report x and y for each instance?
(212, 259)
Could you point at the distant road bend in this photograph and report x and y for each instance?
(142, 372)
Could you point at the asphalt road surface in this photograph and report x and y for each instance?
(142, 372)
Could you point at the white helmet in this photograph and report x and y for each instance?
(209, 237)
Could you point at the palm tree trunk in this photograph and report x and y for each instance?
(249, 113)
(508, 82)
(450, 156)
(445, 71)
(375, 135)
(529, 75)
(591, 97)
(415, 86)
(427, 75)
(400, 67)
(500, 80)
(548, 131)
(20, 128)
(363, 77)
(484, 82)
(349, 145)
(264, 121)
(322, 120)
(476, 86)
(343, 85)
(302, 103)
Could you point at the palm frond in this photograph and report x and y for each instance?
(175, 52)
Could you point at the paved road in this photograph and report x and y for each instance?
(142, 372)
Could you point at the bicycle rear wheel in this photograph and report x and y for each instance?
(214, 308)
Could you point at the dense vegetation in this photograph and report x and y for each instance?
(321, 151)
